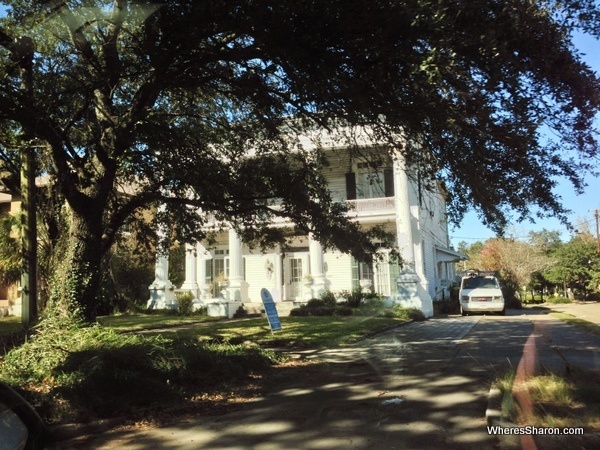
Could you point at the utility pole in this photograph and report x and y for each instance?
(597, 215)
(28, 237)
(22, 51)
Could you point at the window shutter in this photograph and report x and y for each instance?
(351, 186)
(209, 271)
(388, 179)
(355, 274)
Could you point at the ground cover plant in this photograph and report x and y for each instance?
(551, 400)
(71, 372)
(75, 372)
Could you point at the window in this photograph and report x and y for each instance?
(370, 182)
(361, 271)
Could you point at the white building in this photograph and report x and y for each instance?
(230, 274)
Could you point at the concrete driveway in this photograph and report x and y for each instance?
(423, 385)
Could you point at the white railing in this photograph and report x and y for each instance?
(358, 207)
(364, 205)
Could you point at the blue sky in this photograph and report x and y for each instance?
(582, 206)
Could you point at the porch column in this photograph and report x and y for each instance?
(161, 289)
(316, 266)
(201, 271)
(190, 283)
(237, 286)
(278, 273)
(410, 291)
(403, 215)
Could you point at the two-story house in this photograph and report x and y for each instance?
(379, 192)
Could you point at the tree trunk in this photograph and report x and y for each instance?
(78, 275)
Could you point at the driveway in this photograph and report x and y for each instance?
(423, 385)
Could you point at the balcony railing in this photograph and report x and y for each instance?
(359, 207)
(372, 205)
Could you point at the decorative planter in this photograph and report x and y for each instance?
(365, 286)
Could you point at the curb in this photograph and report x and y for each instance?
(493, 412)
(493, 416)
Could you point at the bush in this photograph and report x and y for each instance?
(74, 372)
(343, 311)
(314, 303)
(328, 299)
(358, 299)
(186, 303)
(557, 300)
(354, 298)
(321, 307)
(400, 312)
(446, 306)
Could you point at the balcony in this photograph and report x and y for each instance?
(372, 206)
(364, 207)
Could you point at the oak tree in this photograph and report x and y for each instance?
(169, 99)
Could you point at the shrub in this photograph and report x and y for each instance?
(343, 311)
(358, 299)
(318, 307)
(451, 306)
(328, 299)
(400, 312)
(74, 372)
(557, 300)
(186, 303)
(314, 303)
(354, 298)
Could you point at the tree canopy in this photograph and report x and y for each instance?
(170, 98)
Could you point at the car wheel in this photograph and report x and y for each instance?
(503, 312)
(462, 311)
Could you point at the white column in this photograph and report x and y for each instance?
(410, 291)
(278, 272)
(316, 266)
(161, 290)
(202, 256)
(190, 283)
(403, 215)
(237, 286)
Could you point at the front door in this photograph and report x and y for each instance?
(295, 268)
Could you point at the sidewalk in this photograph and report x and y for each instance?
(589, 311)
(423, 385)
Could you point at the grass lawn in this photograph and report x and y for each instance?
(137, 322)
(304, 332)
(552, 401)
(579, 323)
(9, 325)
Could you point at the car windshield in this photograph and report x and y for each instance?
(480, 282)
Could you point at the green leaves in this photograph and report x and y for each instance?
(172, 98)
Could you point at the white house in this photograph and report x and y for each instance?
(230, 274)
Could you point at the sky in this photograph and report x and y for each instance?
(582, 206)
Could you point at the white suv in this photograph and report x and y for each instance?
(480, 292)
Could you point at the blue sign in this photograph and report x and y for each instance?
(270, 310)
